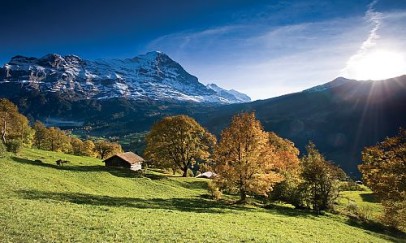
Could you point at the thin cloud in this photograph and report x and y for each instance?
(267, 60)
(375, 18)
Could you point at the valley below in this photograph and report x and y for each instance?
(340, 119)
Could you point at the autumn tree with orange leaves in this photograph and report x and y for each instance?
(178, 142)
(383, 170)
(244, 161)
(287, 163)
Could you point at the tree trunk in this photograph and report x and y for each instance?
(243, 196)
(3, 132)
(184, 172)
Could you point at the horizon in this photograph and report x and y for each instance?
(252, 100)
(261, 49)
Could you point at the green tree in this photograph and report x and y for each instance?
(244, 161)
(178, 142)
(319, 187)
(383, 170)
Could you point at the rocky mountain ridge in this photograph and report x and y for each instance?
(153, 76)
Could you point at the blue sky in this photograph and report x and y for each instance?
(262, 48)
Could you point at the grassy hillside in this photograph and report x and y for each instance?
(84, 201)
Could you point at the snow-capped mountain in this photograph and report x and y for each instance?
(229, 94)
(152, 76)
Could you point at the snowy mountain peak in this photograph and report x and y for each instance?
(154, 55)
(214, 87)
(153, 75)
(226, 94)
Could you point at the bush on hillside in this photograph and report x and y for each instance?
(3, 149)
(214, 191)
(350, 186)
(190, 173)
(363, 214)
(288, 191)
(14, 145)
(395, 214)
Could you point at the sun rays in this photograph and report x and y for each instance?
(376, 65)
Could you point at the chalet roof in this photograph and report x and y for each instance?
(129, 157)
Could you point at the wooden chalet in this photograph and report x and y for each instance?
(125, 160)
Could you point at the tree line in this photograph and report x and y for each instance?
(251, 162)
(247, 160)
(16, 133)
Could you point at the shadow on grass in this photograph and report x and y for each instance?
(369, 197)
(291, 212)
(197, 205)
(156, 176)
(194, 185)
(32, 162)
(120, 172)
(385, 232)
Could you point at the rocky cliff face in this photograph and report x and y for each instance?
(153, 76)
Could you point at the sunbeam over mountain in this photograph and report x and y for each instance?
(203, 121)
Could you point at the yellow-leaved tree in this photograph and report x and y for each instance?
(14, 126)
(88, 148)
(105, 149)
(244, 161)
(287, 162)
(178, 142)
(383, 170)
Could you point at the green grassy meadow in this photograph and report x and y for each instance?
(85, 202)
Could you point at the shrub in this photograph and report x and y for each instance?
(3, 149)
(214, 191)
(190, 173)
(288, 191)
(139, 173)
(350, 186)
(351, 208)
(361, 213)
(395, 214)
(168, 171)
(14, 145)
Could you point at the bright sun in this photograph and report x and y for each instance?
(376, 65)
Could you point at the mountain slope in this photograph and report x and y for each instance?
(84, 201)
(340, 117)
(229, 94)
(153, 76)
